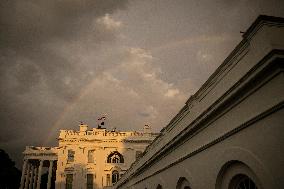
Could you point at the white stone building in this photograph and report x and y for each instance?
(91, 159)
(230, 133)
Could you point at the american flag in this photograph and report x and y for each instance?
(102, 118)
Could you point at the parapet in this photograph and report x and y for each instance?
(103, 133)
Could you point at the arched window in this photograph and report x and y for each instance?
(115, 157)
(237, 175)
(182, 183)
(242, 182)
(114, 177)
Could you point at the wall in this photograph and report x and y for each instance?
(103, 143)
(232, 125)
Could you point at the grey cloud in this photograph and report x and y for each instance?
(163, 23)
(26, 23)
(27, 26)
(37, 79)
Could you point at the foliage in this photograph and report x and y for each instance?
(10, 176)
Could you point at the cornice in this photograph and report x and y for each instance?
(260, 21)
(218, 140)
(257, 74)
(238, 52)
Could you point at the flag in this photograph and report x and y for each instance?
(102, 118)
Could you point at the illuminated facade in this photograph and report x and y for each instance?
(85, 159)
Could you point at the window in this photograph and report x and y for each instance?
(115, 177)
(108, 180)
(115, 157)
(237, 175)
(91, 156)
(138, 154)
(69, 180)
(182, 183)
(70, 157)
(90, 181)
(242, 182)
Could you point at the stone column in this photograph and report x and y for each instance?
(35, 178)
(23, 174)
(39, 175)
(49, 174)
(32, 177)
(27, 176)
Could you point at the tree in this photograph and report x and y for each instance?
(10, 176)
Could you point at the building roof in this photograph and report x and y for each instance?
(243, 49)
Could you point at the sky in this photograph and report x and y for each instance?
(137, 62)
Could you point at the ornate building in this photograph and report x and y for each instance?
(90, 159)
(230, 133)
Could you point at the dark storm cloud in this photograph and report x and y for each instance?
(26, 23)
(36, 81)
(25, 28)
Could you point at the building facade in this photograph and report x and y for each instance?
(230, 133)
(91, 159)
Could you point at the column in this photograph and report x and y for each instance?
(32, 177)
(35, 178)
(23, 174)
(39, 174)
(27, 176)
(49, 174)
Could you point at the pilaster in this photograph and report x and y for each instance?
(39, 174)
(23, 174)
(49, 174)
(27, 177)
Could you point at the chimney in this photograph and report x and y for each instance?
(83, 127)
(147, 129)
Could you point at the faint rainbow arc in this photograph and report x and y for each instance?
(83, 92)
(88, 88)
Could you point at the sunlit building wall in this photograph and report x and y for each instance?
(97, 158)
(91, 159)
